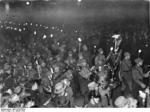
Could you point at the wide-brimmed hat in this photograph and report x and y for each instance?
(18, 89)
(14, 98)
(121, 102)
(59, 88)
(82, 62)
(92, 86)
(132, 102)
(9, 91)
(138, 60)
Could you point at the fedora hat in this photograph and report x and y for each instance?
(121, 102)
(18, 89)
(92, 86)
(59, 88)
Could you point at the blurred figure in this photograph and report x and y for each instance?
(126, 73)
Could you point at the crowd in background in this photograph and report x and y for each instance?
(73, 65)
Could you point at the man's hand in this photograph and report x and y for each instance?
(147, 74)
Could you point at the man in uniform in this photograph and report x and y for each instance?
(138, 75)
(100, 57)
(125, 72)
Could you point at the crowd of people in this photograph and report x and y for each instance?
(73, 66)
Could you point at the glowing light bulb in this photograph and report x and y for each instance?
(27, 3)
(79, 39)
(44, 36)
(111, 48)
(51, 35)
(46, 27)
(53, 27)
(139, 50)
(34, 32)
(79, 0)
(15, 29)
(20, 29)
(146, 45)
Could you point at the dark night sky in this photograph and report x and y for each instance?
(73, 12)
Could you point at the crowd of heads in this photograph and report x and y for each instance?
(39, 64)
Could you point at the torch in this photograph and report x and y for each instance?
(94, 48)
(38, 68)
(139, 52)
(80, 40)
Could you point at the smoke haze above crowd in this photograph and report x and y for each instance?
(69, 12)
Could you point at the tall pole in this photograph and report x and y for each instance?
(80, 42)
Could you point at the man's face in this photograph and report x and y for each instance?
(100, 62)
(29, 67)
(127, 57)
(70, 54)
(84, 64)
(74, 50)
(101, 52)
(56, 69)
(85, 48)
(141, 63)
(43, 64)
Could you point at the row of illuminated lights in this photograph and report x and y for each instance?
(31, 24)
(23, 29)
(28, 2)
(34, 33)
(79, 1)
(26, 24)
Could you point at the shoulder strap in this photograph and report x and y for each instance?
(139, 71)
(127, 65)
